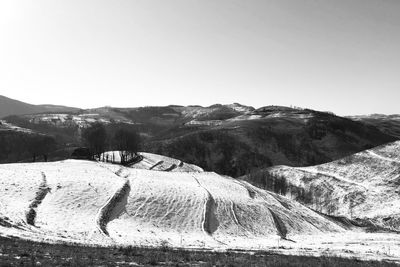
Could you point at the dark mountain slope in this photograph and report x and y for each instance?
(389, 124)
(268, 136)
(229, 139)
(10, 106)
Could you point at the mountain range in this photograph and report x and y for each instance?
(10, 106)
(229, 139)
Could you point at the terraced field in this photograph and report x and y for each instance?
(103, 204)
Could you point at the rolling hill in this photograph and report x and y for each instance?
(95, 203)
(10, 106)
(363, 187)
(91, 202)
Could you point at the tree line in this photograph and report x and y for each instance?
(98, 140)
(317, 197)
(20, 146)
(268, 181)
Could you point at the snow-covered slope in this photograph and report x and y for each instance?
(105, 204)
(89, 201)
(150, 161)
(364, 185)
(64, 120)
(162, 163)
(205, 208)
(5, 126)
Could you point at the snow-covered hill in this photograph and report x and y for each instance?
(5, 126)
(106, 204)
(65, 120)
(85, 201)
(162, 163)
(365, 185)
(150, 161)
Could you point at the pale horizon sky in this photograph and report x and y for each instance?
(335, 55)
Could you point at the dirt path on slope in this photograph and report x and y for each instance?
(279, 224)
(40, 195)
(236, 219)
(155, 165)
(170, 168)
(209, 221)
(115, 205)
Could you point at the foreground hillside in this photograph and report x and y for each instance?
(362, 186)
(89, 202)
(104, 204)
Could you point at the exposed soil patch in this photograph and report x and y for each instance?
(40, 195)
(113, 207)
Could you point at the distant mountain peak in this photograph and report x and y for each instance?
(9, 106)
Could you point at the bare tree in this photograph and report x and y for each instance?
(127, 142)
(41, 145)
(96, 139)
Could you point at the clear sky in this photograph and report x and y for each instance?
(337, 55)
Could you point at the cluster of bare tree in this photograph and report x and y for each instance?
(98, 140)
(127, 143)
(41, 145)
(317, 196)
(95, 138)
(269, 181)
(20, 146)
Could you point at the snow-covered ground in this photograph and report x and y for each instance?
(150, 161)
(107, 204)
(195, 112)
(206, 122)
(72, 120)
(376, 116)
(364, 185)
(245, 117)
(5, 126)
(240, 108)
